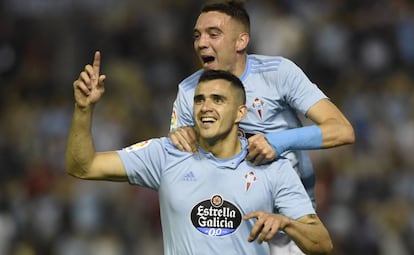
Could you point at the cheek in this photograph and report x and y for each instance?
(230, 117)
(226, 52)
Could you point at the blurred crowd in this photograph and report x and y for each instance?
(361, 53)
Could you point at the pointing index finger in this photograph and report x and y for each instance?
(97, 63)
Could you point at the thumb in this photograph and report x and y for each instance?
(102, 78)
(101, 81)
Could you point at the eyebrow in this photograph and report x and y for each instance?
(209, 29)
(198, 96)
(213, 96)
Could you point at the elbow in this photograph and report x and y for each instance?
(323, 248)
(75, 172)
(75, 169)
(79, 164)
(327, 247)
(347, 135)
(350, 135)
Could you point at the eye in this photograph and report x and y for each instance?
(218, 99)
(196, 36)
(214, 35)
(198, 100)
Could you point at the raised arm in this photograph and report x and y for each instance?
(82, 161)
(308, 232)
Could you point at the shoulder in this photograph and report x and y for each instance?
(262, 63)
(280, 165)
(152, 145)
(189, 83)
(158, 154)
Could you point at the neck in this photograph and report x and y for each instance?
(240, 64)
(223, 148)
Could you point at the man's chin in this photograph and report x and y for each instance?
(206, 135)
(210, 66)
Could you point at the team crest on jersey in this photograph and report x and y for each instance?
(258, 106)
(216, 217)
(250, 179)
(138, 146)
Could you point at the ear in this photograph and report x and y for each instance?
(242, 41)
(241, 113)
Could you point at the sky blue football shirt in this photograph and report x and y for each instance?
(203, 198)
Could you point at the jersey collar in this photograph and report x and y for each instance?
(232, 162)
(246, 69)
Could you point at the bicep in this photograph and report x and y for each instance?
(324, 110)
(335, 127)
(107, 166)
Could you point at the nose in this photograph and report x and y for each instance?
(206, 106)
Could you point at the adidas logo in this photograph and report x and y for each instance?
(190, 177)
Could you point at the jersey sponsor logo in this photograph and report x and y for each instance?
(216, 217)
(250, 179)
(138, 146)
(258, 106)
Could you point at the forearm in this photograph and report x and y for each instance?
(312, 237)
(80, 149)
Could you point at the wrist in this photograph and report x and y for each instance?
(83, 108)
(303, 138)
(286, 222)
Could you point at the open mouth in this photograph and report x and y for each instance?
(207, 59)
(207, 120)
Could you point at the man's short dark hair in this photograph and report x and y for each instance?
(235, 82)
(233, 8)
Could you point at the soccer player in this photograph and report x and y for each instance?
(211, 202)
(277, 89)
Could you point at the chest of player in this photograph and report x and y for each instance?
(268, 111)
(203, 186)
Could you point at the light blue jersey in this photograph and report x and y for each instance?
(203, 198)
(276, 90)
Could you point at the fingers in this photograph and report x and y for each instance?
(89, 78)
(184, 138)
(97, 63)
(265, 227)
(257, 227)
(101, 81)
(260, 151)
(89, 86)
(83, 83)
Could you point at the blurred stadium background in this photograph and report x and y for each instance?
(361, 53)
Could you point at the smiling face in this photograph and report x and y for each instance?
(217, 109)
(220, 42)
